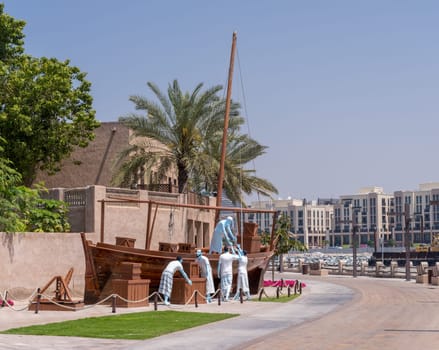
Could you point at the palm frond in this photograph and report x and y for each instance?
(190, 128)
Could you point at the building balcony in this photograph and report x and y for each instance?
(158, 188)
(192, 197)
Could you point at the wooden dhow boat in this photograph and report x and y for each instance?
(105, 262)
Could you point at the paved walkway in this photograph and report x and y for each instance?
(257, 319)
(391, 314)
(374, 313)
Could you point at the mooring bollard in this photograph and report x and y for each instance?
(113, 304)
(196, 298)
(155, 302)
(37, 306)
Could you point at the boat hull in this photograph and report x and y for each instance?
(103, 259)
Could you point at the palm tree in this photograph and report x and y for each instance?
(189, 127)
(285, 240)
(241, 150)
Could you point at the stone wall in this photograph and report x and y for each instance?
(29, 260)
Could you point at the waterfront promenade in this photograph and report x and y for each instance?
(384, 314)
(334, 312)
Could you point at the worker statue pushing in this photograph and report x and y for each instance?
(225, 272)
(167, 278)
(223, 234)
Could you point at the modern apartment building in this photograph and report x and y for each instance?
(422, 218)
(369, 212)
(376, 216)
(310, 221)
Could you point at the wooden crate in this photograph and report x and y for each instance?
(191, 268)
(250, 244)
(127, 271)
(250, 229)
(168, 247)
(186, 247)
(181, 291)
(131, 290)
(125, 242)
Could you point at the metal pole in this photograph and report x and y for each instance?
(407, 241)
(113, 304)
(4, 300)
(354, 244)
(37, 306)
(407, 255)
(354, 252)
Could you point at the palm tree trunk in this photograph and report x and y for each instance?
(182, 178)
(281, 263)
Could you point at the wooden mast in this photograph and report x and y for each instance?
(226, 126)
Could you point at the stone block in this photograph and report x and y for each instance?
(321, 272)
(422, 278)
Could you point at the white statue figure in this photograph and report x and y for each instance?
(167, 278)
(206, 272)
(242, 282)
(225, 272)
(223, 231)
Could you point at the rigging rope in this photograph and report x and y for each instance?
(171, 224)
(244, 100)
(245, 111)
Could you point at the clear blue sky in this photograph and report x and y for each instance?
(344, 93)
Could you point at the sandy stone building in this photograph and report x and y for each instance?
(96, 164)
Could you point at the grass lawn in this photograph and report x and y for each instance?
(138, 326)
